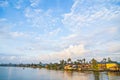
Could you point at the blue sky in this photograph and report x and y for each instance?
(50, 30)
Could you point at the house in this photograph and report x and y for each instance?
(79, 67)
(86, 66)
(71, 67)
(74, 67)
(68, 67)
(101, 66)
(112, 66)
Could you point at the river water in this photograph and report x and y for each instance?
(19, 73)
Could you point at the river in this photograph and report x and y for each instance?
(19, 73)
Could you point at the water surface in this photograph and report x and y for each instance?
(19, 73)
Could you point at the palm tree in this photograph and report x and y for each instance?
(75, 62)
(40, 63)
(109, 60)
(69, 60)
(84, 60)
(104, 60)
(79, 60)
(94, 64)
(62, 62)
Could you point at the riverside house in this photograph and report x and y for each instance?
(77, 67)
(101, 66)
(68, 67)
(111, 66)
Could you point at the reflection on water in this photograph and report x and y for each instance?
(114, 75)
(16, 73)
(71, 75)
(96, 75)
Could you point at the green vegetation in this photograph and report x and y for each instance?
(79, 64)
(94, 64)
(82, 64)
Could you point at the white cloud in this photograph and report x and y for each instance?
(4, 3)
(92, 26)
(53, 32)
(3, 19)
(75, 51)
(34, 3)
(18, 4)
(113, 30)
(18, 34)
(113, 47)
(93, 23)
(43, 20)
(70, 37)
(70, 52)
(84, 13)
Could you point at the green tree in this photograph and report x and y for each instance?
(105, 60)
(109, 59)
(40, 63)
(69, 60)
(84, 60)
(79, 60)
(75, 62)
(94, 64)
(62, 64)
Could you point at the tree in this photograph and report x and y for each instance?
(94, 64)
(75, 62)
(84, 60)
(69, 60)
(104, 60)
(79, 60)
(40, 63)
(109, 60)
(62, 62)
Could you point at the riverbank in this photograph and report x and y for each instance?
(24, 67)
(28, 73)
(78, 65)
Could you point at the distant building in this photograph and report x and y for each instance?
(77, 67)
(112, 66)
(68, 67)
(101, 66)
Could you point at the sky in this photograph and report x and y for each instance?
(50, 30)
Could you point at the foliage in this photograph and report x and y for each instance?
(94, 64)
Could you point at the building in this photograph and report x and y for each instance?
(101, 66)
(112, 66)
(68, 67)
(77, 67)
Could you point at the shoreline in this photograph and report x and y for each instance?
(66, 70)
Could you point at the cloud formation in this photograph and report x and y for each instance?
(84, 13)
(89, 29)
(3, 3)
